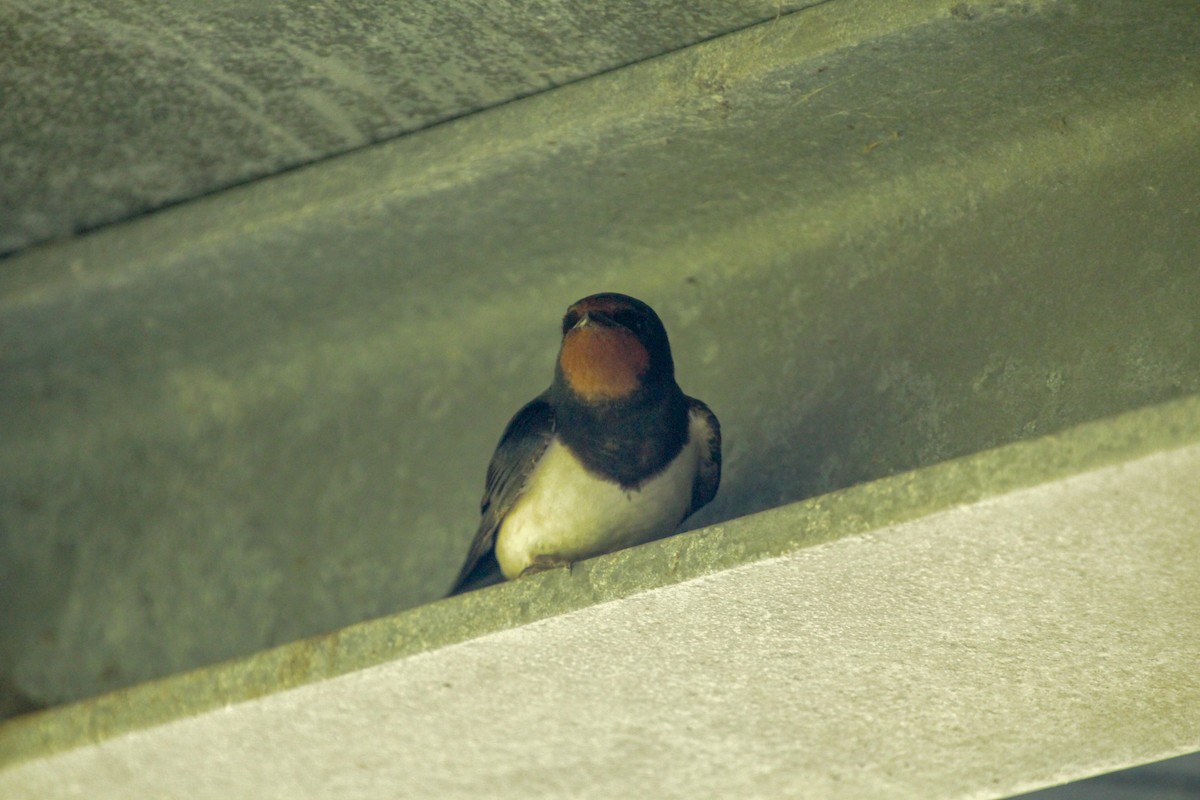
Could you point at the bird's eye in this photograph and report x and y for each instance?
(569, 321)
(629, 319)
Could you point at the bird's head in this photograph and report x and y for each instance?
(613, 346)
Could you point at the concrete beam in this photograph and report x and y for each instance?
(111, 110)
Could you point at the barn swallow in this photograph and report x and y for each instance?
(611, 455)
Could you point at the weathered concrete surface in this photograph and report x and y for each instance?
(266, 414)
(110, 109)
(989, 648)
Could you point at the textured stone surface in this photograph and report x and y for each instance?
(991, 648)
(266, 415)
(110, 109)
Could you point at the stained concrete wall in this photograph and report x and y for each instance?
(879, 240)
(110, 109)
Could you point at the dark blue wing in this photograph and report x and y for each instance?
(522, 444)
(708, 477)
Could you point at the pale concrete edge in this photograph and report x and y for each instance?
(734, 543)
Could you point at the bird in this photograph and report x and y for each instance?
(611, 455)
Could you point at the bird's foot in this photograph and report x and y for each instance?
(543, 562)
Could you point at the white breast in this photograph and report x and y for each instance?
(566, 511)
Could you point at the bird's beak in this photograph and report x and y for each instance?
(586, 319)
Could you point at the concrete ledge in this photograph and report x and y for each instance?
(983, 593)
